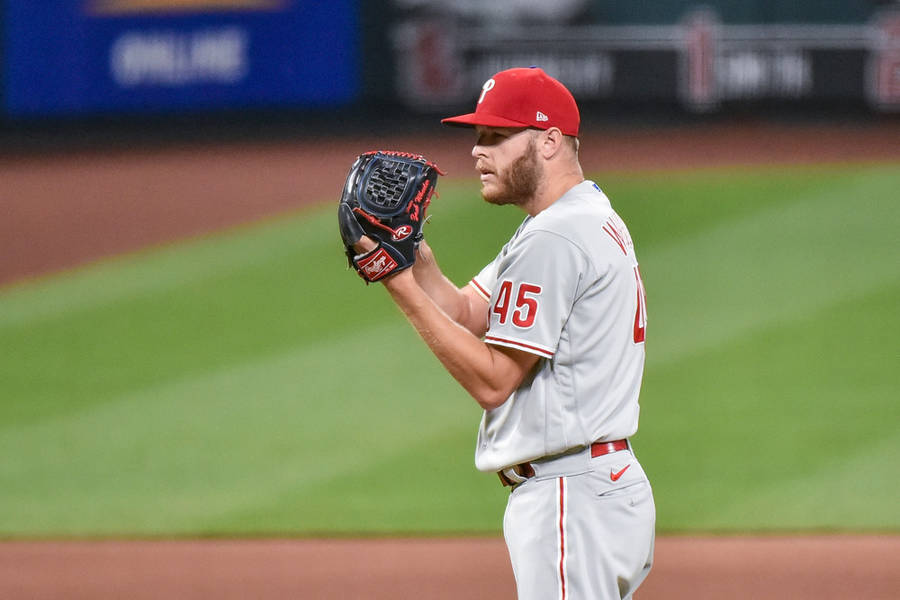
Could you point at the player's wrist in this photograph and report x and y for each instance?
(400, 280)
(423, 252)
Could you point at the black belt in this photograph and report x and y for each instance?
(517, 474)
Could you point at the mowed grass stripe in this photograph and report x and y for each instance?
(673, 206)
(729, 427)
(848, 491)
(430, 486)
(160, 269)
(99, 350)
(168, 458)
(805, 253)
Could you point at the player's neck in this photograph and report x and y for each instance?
(552, 189)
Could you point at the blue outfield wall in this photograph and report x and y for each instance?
(106, 56)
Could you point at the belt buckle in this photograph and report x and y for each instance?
(516, 474)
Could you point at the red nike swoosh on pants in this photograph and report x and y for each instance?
(615, 476)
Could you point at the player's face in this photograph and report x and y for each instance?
(507, 162)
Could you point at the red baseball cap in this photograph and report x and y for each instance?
(523, 97)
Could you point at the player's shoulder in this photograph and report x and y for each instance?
(578, 219)
(583, 208)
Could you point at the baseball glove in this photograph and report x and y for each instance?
(385, 197)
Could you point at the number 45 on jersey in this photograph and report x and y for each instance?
(524, 310)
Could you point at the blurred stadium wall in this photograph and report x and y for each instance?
(314, 63)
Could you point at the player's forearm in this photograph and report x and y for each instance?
(445, 294)
(486, 373)
(434, 283)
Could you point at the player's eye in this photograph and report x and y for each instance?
(491, 139)
(483, 139)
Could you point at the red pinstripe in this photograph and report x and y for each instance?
(562, 539)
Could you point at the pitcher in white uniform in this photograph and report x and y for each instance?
(549, 339)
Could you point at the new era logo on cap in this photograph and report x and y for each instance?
(523, 97)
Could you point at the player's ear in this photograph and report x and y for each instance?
(551, 142)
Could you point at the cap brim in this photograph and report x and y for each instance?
(473, 119)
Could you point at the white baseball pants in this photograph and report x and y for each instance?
(582, 528)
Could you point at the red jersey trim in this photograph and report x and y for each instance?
(492, 339)
(481, 291)
(608, 229)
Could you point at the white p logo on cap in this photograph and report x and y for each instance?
(488, 86)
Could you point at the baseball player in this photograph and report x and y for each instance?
(549, 340)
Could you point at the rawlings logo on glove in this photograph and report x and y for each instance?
(385, 198)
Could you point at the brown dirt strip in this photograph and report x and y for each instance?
(814, 568)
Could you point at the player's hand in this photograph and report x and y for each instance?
(365, 244)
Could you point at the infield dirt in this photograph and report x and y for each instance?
(815, 568)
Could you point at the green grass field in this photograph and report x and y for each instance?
(238, 384)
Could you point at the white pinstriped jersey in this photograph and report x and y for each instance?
(567, 288)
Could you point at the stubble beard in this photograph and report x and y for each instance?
(518, 183)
